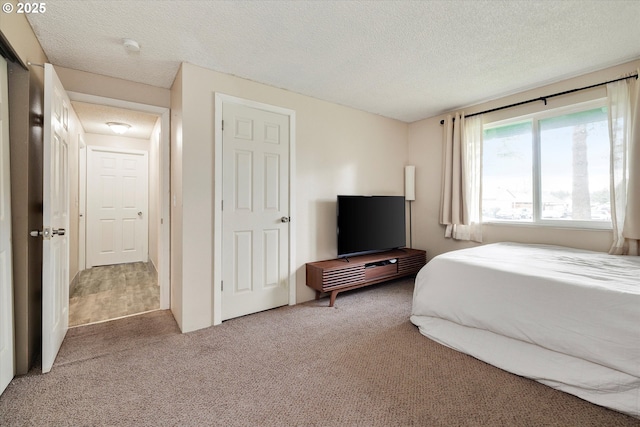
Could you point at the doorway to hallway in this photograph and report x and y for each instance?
(113, 291)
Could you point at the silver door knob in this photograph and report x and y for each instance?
(140, 214)
(285, 219)
(45, 233)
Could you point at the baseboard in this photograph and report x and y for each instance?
(74, 283)
(152, 270)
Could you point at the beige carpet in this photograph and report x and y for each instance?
(359, 364)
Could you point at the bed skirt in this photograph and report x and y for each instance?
(589, 381)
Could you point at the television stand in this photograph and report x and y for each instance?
(335, 275)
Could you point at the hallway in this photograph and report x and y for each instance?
(113, 291)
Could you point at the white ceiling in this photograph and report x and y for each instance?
(402, 59)
(94, 119)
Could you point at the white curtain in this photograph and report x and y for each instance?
(460, 201)
(624, 135)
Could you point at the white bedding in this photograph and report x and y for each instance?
(565, 317)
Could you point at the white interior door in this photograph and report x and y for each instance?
(117, 206)
(55, 197)
(255, 215)
(6, 278)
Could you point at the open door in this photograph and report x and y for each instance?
(55, 247)
(6, 280)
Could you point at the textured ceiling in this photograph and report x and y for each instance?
(402, 59)
(94, 119)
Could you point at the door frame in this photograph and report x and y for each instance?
(82, 203)
(220, 100)
(164, 273)
(91, 151)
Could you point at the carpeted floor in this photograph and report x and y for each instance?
(359, 364)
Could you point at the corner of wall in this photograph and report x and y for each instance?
(176, 201)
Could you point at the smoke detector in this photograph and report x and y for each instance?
(131, 45)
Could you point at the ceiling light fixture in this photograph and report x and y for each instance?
(118, 127)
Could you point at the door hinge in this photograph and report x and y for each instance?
(221, 205)
(222, 285)
(222, 124)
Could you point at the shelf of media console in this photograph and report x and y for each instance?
(339, 275)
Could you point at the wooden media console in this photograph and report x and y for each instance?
(338, 275)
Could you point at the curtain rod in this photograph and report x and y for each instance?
(544, 98)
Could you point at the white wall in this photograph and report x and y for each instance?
(75, 133)
(425, 151)
(117, 141)
(339, 151)
(111, 87)
(177, 300)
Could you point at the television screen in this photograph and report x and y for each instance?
(369, 224)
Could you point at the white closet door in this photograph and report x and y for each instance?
(6, 268)
(255, 217)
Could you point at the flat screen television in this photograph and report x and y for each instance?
(368, 224)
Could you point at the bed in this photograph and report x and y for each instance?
(567, 318)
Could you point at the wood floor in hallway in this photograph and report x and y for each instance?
(112, 291)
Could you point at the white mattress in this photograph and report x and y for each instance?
(565, 317)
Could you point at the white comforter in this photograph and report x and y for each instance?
(577, 304)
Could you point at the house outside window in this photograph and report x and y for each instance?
(549, 168)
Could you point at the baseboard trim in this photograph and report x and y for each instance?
(74, 283)
(153, 270)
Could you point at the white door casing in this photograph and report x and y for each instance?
(117, 206)
(255, 210)
(82, 203)
(7, 360)
(164, 184)
(55, 247)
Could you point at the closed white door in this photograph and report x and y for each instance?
(255, 212)
(6, 279)
(55, 216)
(117, 206)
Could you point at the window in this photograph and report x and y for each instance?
(550, 168)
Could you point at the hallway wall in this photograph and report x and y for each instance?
(76, 132)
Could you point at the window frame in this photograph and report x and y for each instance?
(536, 166)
